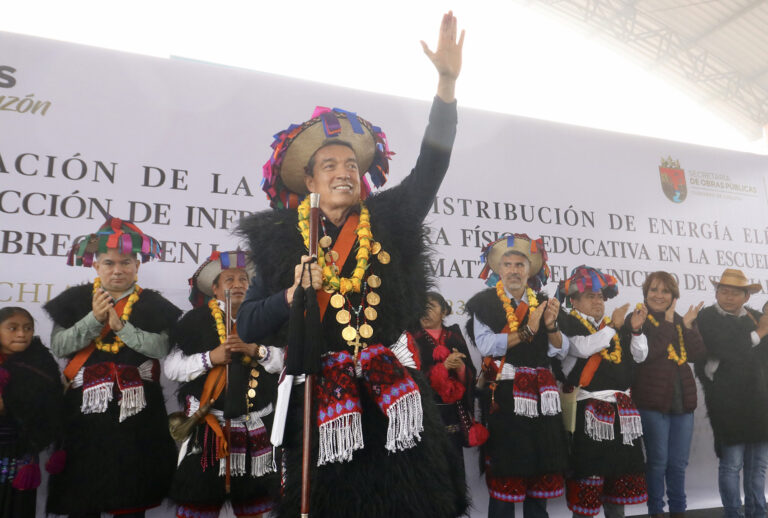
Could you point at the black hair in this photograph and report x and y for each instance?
(9, 311)
(310, 168)
(436, 297)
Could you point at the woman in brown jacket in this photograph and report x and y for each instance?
(665, 392)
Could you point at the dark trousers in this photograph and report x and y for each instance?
(532, 508)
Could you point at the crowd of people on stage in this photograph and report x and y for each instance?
(569, 400)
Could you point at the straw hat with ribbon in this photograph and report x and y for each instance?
(523, 245)
(293, 147)
(201, 283)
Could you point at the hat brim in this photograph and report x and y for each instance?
(520, 246)
(751, 288)
(306, 143)
(207, 273)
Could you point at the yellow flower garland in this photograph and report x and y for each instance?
(331, 280)
(533, 303)
(221, 329)
(118, 344)
(613, 357)
(671, 353)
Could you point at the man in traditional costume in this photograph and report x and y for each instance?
(379, 448)
(606, 456)
(735, 382)
(120, 456)
(202, 354)
(515, 330)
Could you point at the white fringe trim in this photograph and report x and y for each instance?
(262, 464)
(236, 466)
(132, 402)
(550, 402)
(631, 428)
(96, 399)
(339, 438)
(526, 407)
(401, 351)
(596, 429)
(405, 422)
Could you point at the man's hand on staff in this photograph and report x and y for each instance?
(298, 278)
(447, 57)
(221, 355)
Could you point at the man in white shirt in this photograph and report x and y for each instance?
(243, 397)
(606, 458)
(515, 329)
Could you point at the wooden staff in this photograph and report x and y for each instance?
(309, 383)
(227, 422)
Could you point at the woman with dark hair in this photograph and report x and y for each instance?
(665, 392)
(30, 412)
(443, 356)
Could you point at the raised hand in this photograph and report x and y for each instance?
(691, 315)
(115, 322)
(762, 326)
(447, 56)
(618, 315)
(669, 314)
(550, 314)
(534, 321)
(638, 317)
(101, 304)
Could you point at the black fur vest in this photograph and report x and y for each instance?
(276, 246)
(487, 307)
(151, 313)
(196, 333)
(609, 375)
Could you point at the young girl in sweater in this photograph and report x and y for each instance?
(30, 410)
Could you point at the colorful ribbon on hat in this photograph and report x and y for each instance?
(114, 234)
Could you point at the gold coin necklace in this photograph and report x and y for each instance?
(356, 320)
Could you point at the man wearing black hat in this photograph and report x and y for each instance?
(607, 467)
(515, 330)
(735, 382)
(381, 450)
(120, 457)
(244, 395)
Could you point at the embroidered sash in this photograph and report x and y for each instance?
(98, 382)
(340, 411)
(248, 438)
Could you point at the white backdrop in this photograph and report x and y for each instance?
(178, 147)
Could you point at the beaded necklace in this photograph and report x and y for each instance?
(512, 322)
(118, 344)
(672, 354)
(613, 357)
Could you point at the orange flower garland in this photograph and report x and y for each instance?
(221, 329)
(615, 356)
(331, 280)
(118, 344)
(533, 303)
(671, 353)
